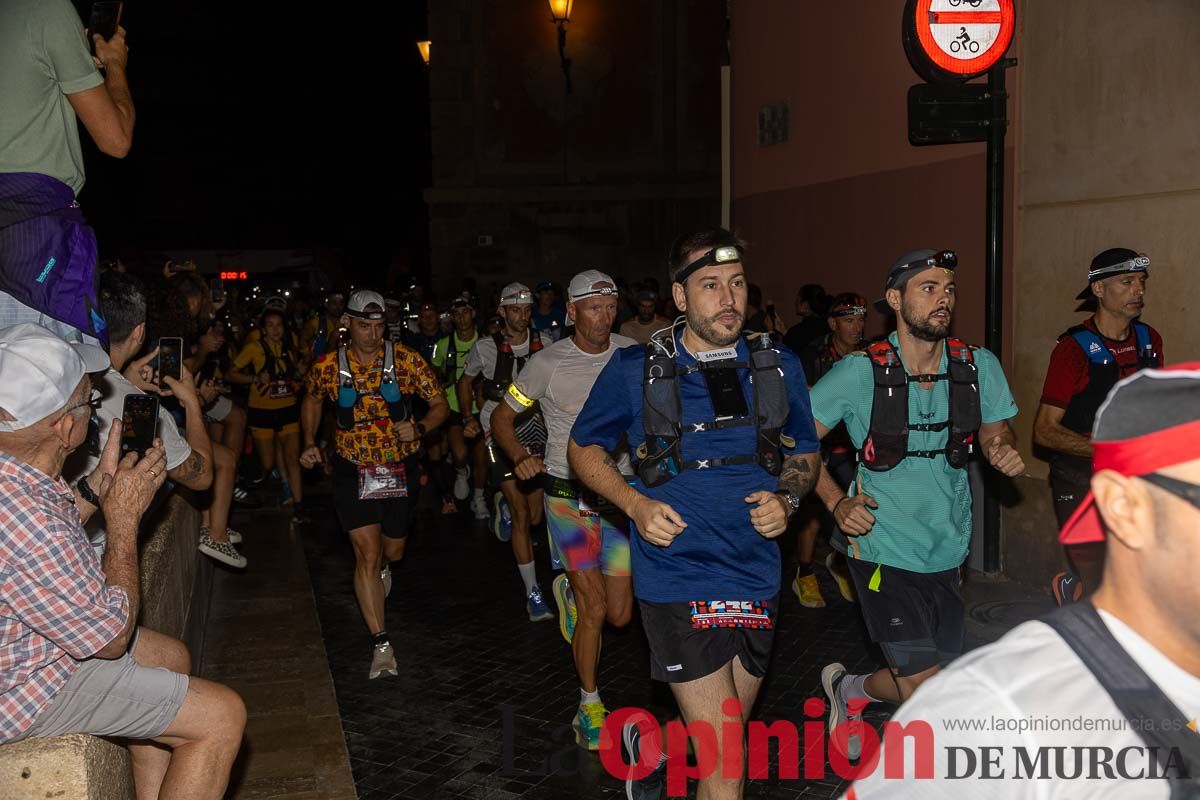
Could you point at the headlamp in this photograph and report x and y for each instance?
(727, 254)
(849, 311)
(521, 298)
(606, 291)
(1141, 263)
(945, 259)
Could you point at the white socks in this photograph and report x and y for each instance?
(586, 697)
(853, 688)
(529, 575)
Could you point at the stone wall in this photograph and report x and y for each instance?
(175, 591)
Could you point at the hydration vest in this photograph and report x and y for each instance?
(1103, 373)
(660, 456)
(450, 363)
(887, 441)
(398, 404)
(506, 360)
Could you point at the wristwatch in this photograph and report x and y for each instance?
(792, 501)
(86, 492)
(420, 426)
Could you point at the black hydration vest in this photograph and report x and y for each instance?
(887, 441)
(450, 363)
(507, 365)
(398, 405)
(660, 457)
(1103, 373)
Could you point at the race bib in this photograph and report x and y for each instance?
(382, 482)
(730, 614)
(279, 390)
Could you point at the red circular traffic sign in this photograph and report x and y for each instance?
(958, 39)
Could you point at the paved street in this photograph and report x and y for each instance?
(483, 704)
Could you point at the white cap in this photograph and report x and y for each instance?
(39, 371)
(584, 285)
(357, 307)
(516, 294)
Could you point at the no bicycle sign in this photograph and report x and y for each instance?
(949, 41)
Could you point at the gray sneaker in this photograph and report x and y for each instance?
(651, 786)
(383, 662)
(839, 711)
(222, 551)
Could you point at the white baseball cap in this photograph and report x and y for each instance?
(584, 285)
(357, 307)
(516, 294)
(39, 371)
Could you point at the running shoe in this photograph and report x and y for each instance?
(233, 536)
(462, 487)
(536, 606)
(479, 508)
(651, 786)
(246, 499)
(501, 518)
(567, 613)
(1067, 588)
(383, 661)
(836, 565)
(839, 711)
(808, 591)
(222, 551)
(386, 576)
(589, 720)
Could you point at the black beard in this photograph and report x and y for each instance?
(923, 329)
(711, 334)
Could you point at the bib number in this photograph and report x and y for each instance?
(279, 390)
(382, 482)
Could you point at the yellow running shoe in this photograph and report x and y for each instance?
(836, 564)
(808, 591)
(588, 722)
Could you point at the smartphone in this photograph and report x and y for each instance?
(105, 18)
(725, 391)
(139, 423)
(217, 287)
(170, 358)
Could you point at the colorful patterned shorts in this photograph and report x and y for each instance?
(586, 531)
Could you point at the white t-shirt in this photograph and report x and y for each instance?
(561, 377)
(1031, 678)
(482, 361)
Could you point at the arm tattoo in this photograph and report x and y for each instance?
(190, 469)
(797, 475)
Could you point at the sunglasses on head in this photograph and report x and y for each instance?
(1188, 492)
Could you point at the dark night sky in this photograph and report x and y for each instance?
(263, 126)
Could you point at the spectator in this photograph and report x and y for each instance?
(270, 367)
(75, 660)
(549, 313)
(48, 79)
(1117, 673)
(811, 304)
(643, 326)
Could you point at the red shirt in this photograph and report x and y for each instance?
(1067, 374)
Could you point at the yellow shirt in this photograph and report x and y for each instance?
(371, 440)
(280, 393)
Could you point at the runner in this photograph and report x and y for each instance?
(589, 536)
(450, 359)
(372, 383)
(496, 361)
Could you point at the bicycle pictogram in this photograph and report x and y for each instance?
(963, 41)
(971, 3)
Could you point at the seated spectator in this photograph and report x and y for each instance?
(647, 322)
(271, 368)
(1102, 694)
(75, 660)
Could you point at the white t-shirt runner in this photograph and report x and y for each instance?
(1029, 698)
(561, 378)
(481, 360)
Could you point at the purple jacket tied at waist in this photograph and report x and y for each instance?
(48, 251)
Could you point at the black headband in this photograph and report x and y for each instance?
(728, 254)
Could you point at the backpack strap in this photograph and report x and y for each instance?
(1139, 698)
(1093, 346)
(1147, 357)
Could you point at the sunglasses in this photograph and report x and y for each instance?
(946, 259)
(1188, 492)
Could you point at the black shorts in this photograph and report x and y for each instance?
(680, 652)
(916, 618)
(500, 469)
(273, 419)
(394, 515)
(1070, 481)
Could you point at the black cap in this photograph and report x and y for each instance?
(909, 264)
(1114, 261)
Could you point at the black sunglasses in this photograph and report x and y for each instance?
(1189, 492)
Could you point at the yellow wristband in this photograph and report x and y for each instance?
(519, 396)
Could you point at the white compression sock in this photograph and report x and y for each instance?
(477, 493)
(529, 575)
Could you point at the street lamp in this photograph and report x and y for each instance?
(423, 47)
(560, 14)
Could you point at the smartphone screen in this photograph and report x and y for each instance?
(725, 391)
(139, 422)
(170, 358)
(104, 20)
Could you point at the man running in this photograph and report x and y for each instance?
(497, 360)
(375, 466)
(589, 536)
(916, 405)
(724, 461)
(450, 359)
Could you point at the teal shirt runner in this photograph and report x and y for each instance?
(923, 523)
